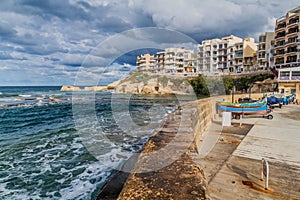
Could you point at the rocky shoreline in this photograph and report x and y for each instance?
(141, 83)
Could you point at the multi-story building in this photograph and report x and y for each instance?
(146, 62)
(180, 61)
(241, 56)
(213, 55)
(160, 61)
(235, 57)
(208, 56)
(270, 54)
(172, 61)
(287, 39)
(225, 55)
(264, 47)
(249, 55)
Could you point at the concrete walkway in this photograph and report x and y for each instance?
(278, 141)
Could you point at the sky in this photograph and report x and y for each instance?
(56, 42)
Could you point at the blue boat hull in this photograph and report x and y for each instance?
(244, 110)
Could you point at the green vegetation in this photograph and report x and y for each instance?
(203, 86)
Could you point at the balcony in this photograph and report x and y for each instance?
(294, 16)
(279, 45)
(278, 54)
(293, 24)
(292, 50)
(294, 41)
(291, 59)
(292, 31)
(279, 63)
(278, 29)
(279, 36)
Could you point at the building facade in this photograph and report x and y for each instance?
(180, 61)
(229, 54)
(289, 81)
(172, 61)
(213, 55)
(264, 50)
(146, 62)
(287, 40)
(249, 55)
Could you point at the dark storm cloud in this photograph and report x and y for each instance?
(6, 30)
(48, 8)
(61, 34)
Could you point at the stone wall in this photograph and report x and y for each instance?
(183, 178)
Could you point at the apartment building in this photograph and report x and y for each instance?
(213, 55)
(208, 55)
(172, 61)
(146, 62)
(264, 50)
(270, 53)
(287, 40)
(160, 61)
(229, 54)
(180, 61)
(249, 55)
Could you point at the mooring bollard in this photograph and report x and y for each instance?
(265, 172)
(241, 120)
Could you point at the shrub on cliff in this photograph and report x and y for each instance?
(203, 86)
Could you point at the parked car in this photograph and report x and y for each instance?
(274, 102)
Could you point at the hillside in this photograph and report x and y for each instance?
(142, 83)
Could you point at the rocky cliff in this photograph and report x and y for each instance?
(142, 83)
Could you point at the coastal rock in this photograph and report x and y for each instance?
(142, 83)
(264, 86)
(69, 88)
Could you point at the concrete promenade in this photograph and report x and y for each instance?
(232, 168)
(238, 176)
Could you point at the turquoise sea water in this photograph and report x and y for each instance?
(42, 153)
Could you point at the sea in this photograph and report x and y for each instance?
(51, 148)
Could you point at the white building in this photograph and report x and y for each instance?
(218, 56)
(264, 50)
(172, 61)
(147, 63)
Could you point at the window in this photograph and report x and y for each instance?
(296, 75)
(285, 75)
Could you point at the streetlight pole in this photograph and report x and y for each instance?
(232, 97)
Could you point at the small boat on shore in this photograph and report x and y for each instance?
(237, 109)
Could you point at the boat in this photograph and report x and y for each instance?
(253, 104)
(238, 109)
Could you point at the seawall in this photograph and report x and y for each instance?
(152, 177)
(166, 168)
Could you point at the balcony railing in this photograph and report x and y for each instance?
(293, 23)
(292, 32)
(280, 25)
(291, 42)
(291, 61)
(291, 51)
(280, 36)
